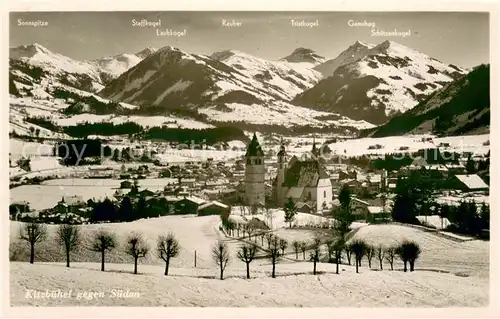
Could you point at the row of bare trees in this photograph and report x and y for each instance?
(168, 247)
(407, 251)
(103, 241)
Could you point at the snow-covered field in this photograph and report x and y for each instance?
(459, 144)
(175, 155)
(278, 113)
(20, 148)
(447, 274)
(278, 218)
(468, 258)
(145, 121)
(295, 286)
(434, 221)
(50, 192)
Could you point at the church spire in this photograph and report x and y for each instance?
(254, 148)
(314, 150)
(282, 151)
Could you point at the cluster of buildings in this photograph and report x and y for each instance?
(313, 185)
(260, 180)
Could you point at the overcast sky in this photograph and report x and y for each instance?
(458, 38)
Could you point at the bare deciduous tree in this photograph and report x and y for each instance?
(391, 253)
(303, 248)
(330, 248)
(262, 236)
(269, 238)
(270, 216)
(103, 241)
(250, 230)
(370, 253)
(274, 254)
(33, 233)
(315, 254)
(220, 253)
(408, 251)
(68, 236)
(338, 247)
(296, 248)
(348, 252)
(359, 249)
(247, 254)
(283, 244)
(137, 248)
(167, 247)
(380, 256)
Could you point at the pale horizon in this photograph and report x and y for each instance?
(460, 38)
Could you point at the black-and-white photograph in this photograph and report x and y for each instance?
(249, 159)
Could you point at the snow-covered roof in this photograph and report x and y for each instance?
(472, 181)
(375, 209)
(213, 203)
(195, 199)
(295, 192)
(360, 201)
(455, 165)
(172, 198)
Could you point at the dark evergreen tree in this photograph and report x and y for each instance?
(290, 211)
(470, 166)
(126, 210)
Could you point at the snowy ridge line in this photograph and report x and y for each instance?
(437, 232)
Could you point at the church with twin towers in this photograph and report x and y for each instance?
(305, 181)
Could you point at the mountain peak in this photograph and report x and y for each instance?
(168, 48)
(223, 55)
(388, 43)
(304, 55)
(358, 45)
(28, 50)
(394, 48)
(146, 52)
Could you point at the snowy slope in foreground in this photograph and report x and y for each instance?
(191, 287)
(200, 234)
(470, 258)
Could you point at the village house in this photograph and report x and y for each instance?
(455, 168)
(214, 208)
(188, 205)
(369, 210)
(17, 209)
(467, 183)
(126, 184)
(359, 208)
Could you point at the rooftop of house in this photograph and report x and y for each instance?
(472, 181)
(72, 200)
(305, 174)
(194, 199)
(213, 203)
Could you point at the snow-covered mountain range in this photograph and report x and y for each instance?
(460, 107)
(304, 55)
(365, 85)
(113, 66)
(376, 82)
(86, 75)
